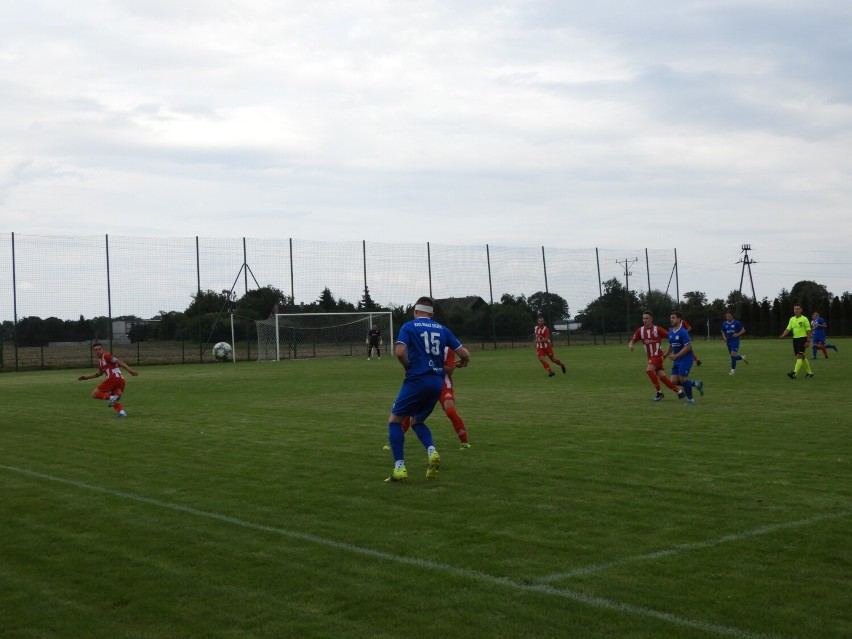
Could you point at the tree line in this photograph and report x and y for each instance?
(619, 310)
(616, 311)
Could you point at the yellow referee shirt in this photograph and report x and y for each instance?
(799, 326)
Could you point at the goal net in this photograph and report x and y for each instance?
(311, 335)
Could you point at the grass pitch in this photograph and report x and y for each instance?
(248, 501)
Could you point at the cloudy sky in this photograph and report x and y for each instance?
(695, 125)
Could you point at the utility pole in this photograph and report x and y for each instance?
(746, 261)
(627, 263)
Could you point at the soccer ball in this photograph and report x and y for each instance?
(222, 351)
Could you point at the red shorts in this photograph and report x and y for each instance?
(656, 362)
(541, 351)
(112, 384)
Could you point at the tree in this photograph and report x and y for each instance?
(659, 303)
(259, 303)
(551, 305)
(367, 303)
(735, 302)
(326, 301)
(207, 302)
(609, 312)
(812, 296)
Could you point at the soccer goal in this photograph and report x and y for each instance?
(311, 335)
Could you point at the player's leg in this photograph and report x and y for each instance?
(546, 365)
(406, 404)
(428, 391)
(661, 375)
(652, 375)
(449, 405)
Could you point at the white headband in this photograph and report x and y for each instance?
(423, 308)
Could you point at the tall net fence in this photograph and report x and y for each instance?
(58, 294)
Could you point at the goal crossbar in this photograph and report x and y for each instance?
(312, 335)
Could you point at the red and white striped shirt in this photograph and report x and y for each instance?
(651, 338)
(542, 336)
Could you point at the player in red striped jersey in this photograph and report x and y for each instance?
(651, 336)
(112, 388)
(544, 347)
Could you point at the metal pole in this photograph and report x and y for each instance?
(677, 282)
(14, 304)
(364, 257)
(109, 294)
(292, 289)
(648, 271)
(245, 303)
(198, 300)
(429, 266)
(491, 294)
(600, 293)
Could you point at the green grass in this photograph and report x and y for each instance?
(248, 500)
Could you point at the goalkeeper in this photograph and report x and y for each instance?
(374, 340)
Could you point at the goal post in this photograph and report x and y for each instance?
(314, 335)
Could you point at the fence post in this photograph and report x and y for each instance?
(109, 296)
(198, 300)
(491, 293)
(14, 305)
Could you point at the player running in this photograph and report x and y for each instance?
(818, 324)
(732, 329)
(651, 336)
(680, 352)
(544, 347)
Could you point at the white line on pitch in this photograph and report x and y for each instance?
(579, 597)
(699, 545)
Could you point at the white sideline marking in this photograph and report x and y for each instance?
(596, 602)
(748, 534)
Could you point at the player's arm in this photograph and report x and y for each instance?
(741, 333)
(462, 352)
(687, 348)
(126, 367)
(633, 340)
(401, 352)
(92, 376)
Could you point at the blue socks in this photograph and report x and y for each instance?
(396, 438)
(423, 434)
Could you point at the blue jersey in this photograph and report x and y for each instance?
(729, 329)
(425, 339)
(678, 339)
(819, 326)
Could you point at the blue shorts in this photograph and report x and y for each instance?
(734, 344)
(818, 339)
(418, 396)
(683, 365)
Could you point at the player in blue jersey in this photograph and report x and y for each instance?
(420, 349)
(732, 329)
(680, 352)
(818, 324)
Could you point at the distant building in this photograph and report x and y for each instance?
(459, 305)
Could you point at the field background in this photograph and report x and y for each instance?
(248, 500)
